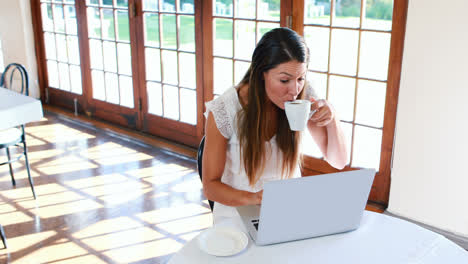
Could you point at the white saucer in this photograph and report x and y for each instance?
(222, 241)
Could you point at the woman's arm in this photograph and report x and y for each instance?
(326, 131)
(214, 159)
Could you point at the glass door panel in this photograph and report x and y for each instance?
(350, 49)
(317, 12)
(170, 63)
(62, 53)
(110, 52)
(347, 13)
(237, 27)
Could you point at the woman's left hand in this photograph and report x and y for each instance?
(324, 114)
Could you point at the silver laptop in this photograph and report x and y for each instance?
(308, 207)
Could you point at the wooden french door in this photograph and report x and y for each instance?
(169, 48)
(110, 38)
(131, 62)
(356, 50)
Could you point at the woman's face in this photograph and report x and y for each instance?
(284, 82)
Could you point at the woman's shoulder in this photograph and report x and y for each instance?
(227, 101)
(224, 109)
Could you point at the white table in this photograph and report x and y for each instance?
(380, 239)
(17, 109)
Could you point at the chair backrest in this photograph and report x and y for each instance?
(201, 147)
(7, 79)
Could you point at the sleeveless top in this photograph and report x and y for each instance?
(224, 109)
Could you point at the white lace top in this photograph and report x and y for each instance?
(224, 109)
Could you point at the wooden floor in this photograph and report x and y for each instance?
(100, 199)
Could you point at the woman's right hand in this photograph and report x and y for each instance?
(257, 197)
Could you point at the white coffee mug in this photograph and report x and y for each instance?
(298, 113)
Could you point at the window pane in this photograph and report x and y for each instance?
(108, 30)
(245, 39)
(151, 29)
(73, 50)
(168, 5)
(347, 13)
(341, 96)
(92, 2)
(47, 18)
(94, 23)
(49, 41)
(240, 69)
(343, 54)
(106, 3)
(187, 33)
(222, 75)
(126, 91)
(99, 91)
(154, 98)
(367, 145)
(222, 8)
(264, 28)
(61, 47)
(52, 71)
(70, 16)
(64, 77)
(75, 79)
(95, 49)
(268, 10)
(125, 58)
(371, 103)
(151, 5)
(59, 21)
(169, 37)
(153, 64)
(122, 3)
(375, 52)
(222, 35)
(110, 59)
(317, 40)
(245, 9)
(319, 83)
(123, 33)
(379, 15)
(317, 12)
(188, 106)
(187, 6)
(112, 88)
(169, 61)
(187, 70)
(171, 102)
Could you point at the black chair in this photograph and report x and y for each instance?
(15, 137)
(199, 163)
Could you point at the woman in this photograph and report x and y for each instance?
(247, 138)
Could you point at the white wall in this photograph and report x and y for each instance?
(17, 37)
(430, 175)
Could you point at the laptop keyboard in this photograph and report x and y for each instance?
(255, 223)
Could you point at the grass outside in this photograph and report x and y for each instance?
(169, 24)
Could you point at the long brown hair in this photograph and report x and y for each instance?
(277, 46)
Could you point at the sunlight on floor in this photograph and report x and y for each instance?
(111, 153)
(63, 164)
(99, 200)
